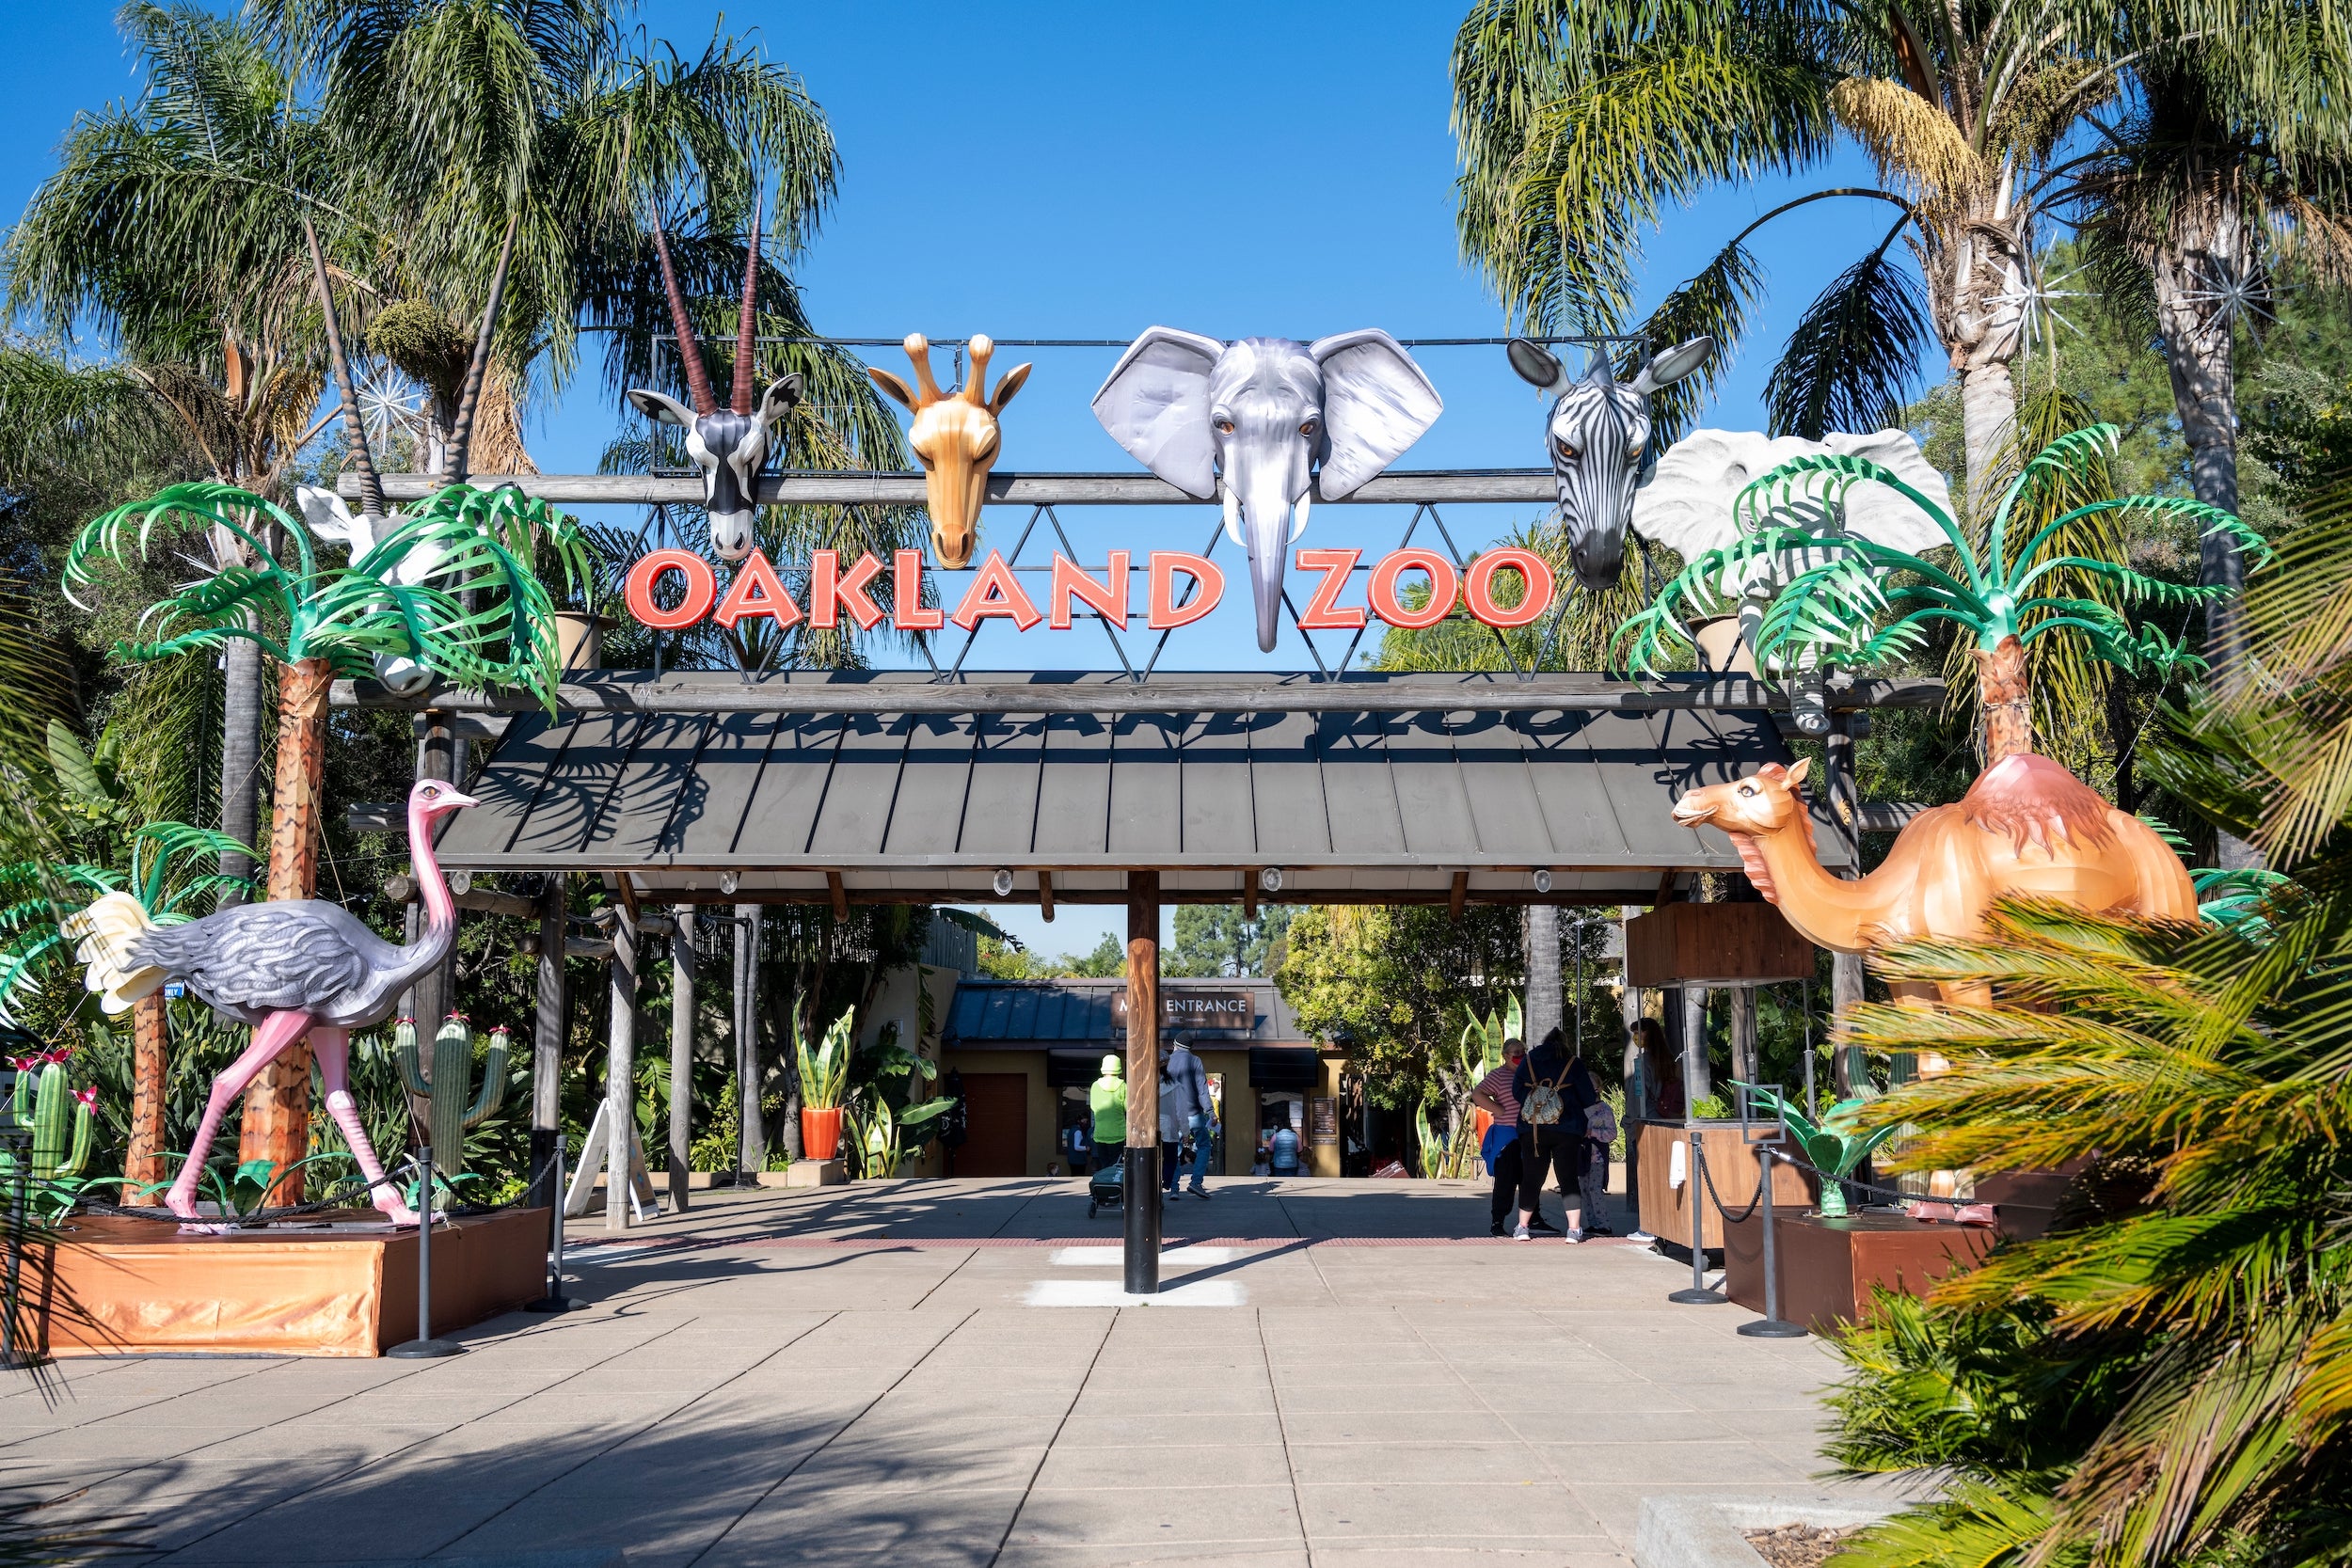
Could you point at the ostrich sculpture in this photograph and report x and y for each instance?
(288, 968)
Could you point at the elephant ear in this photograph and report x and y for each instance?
(1156, 405)
(1375, 403)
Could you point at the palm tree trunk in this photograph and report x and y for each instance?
(1988, 411)
(143, 1163)
(277, 1125)
(239, 753)
(2006, 696)
(2206, 254)
(1541, 933)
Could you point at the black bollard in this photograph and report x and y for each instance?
(1772, 1325)
(424, 1345)
(1698, 1294)
(555, 1300)
(1142, 1181)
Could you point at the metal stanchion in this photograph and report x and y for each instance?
(424, 1345)
(1772, 1325)
(555, 1300)
(1698, 1294)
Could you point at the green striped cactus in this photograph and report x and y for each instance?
(40, 1107)
(444, 1080)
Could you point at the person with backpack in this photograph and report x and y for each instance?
(1600, 1125)
(1553, 1092)
(1500, 1149)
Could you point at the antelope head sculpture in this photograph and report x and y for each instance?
(730, 444)
(956, 437)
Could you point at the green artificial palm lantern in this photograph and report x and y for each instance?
(1853, 602)
(1835, 1146)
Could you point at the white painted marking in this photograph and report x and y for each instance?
(1110, 1292)
(1111, 1257)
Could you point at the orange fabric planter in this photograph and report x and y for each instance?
(820, 1134)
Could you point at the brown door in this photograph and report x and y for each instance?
(996, 1123)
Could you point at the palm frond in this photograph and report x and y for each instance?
(1851, 362)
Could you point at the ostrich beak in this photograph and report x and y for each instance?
(453, 801)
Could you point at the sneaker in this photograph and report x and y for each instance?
(1575, 1238)
(1640, 1238)
(1170, 1194)
(1520, 1234)
(1495, 1229)
(1195, 1190)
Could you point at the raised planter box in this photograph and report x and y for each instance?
(113, 1286)
(1729, 1151)
(1829, 1267)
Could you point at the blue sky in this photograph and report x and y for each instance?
(1056, 170)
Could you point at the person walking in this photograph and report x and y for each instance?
(1553, 1092)
(1500, 1149)
(1185, 1090)
(1171, 1129)
(1108, 1100)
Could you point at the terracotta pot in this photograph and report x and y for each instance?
(820, 1134)
(580, 640)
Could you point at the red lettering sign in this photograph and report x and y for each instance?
(1165, 612)
(995, 591)
(702, 589)
(1444, 586)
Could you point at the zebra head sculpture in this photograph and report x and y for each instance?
(730, 444)
(1599, 439)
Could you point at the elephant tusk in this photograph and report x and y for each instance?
(1299, 515)
(1233, 515)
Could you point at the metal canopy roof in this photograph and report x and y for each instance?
(1351, 805)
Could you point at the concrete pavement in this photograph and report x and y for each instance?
(886, 1372)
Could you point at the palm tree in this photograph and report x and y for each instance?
(1578, 122)
(2233, 149)
(1854, 602)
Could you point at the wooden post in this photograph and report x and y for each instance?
(620, 1083)
(751, 1149)
(1142, 1176)
(143, 1165)
(1845, 969)
(277, 1121)
(681, 1050)
(546, 1046)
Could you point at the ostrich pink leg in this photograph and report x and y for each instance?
(332, 1047)
(275, 1034)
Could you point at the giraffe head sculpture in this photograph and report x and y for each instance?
(730, 444)
(956, 437)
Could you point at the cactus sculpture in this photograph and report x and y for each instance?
(1835, 1147)
(40, 1107)
(444, 1081)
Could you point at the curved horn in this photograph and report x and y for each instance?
(690, 348)
(747, 320)
(976, 390)
(920, 353)
(460, 448)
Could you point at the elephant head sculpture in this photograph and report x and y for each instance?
(1255, 424)
(1599, 440)
(730, 444)
(956, 437)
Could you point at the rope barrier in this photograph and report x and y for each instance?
(1729, 1218)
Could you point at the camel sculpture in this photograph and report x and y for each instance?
(957, 437)
(2026, 827)
(288, 968)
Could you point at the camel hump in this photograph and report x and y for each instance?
(2030, 798)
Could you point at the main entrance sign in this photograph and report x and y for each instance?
(668, 589)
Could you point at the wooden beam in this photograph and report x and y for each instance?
(840, 894)
(906, 488)
(628, 895)
(1142, 1254)
(1248, 896)
(639, 692)
(1601, 899)
(1666, 887)
(1461, 896)
(1045, 895)
(401, 888)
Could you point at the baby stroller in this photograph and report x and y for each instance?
(1107, 1188)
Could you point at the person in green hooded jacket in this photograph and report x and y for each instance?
(1108, 1098)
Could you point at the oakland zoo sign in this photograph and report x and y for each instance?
(995, 593)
